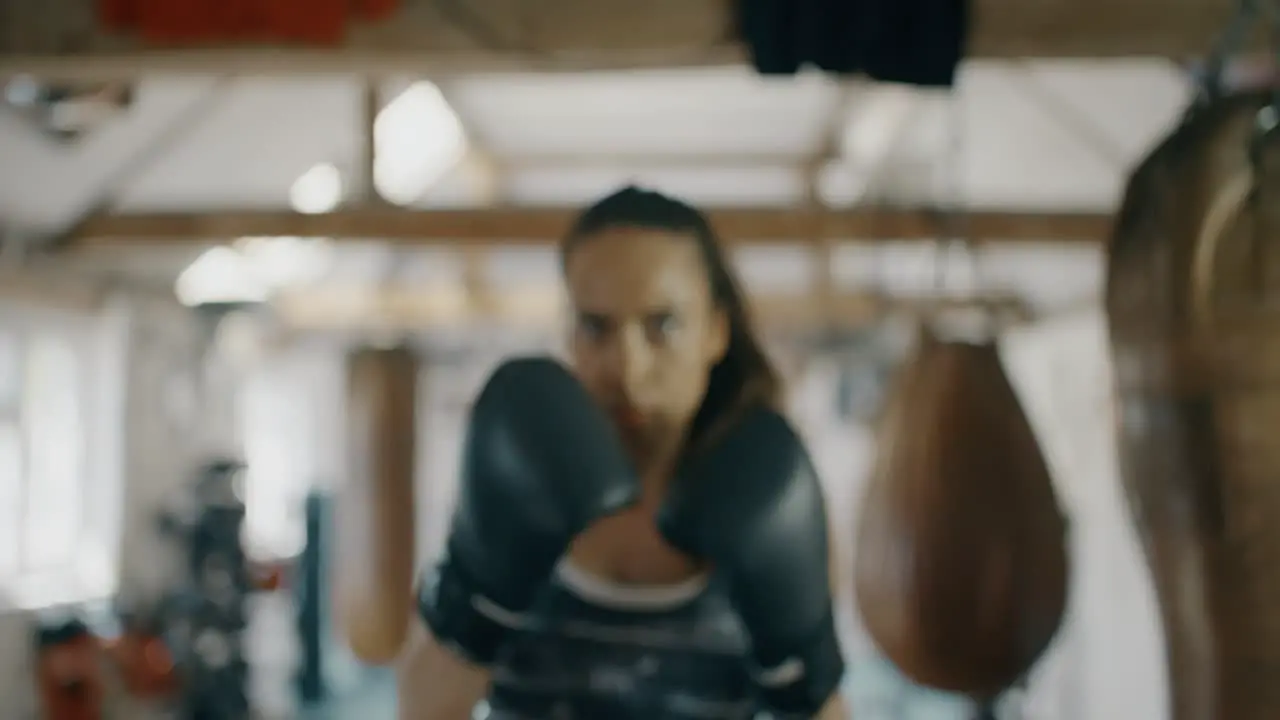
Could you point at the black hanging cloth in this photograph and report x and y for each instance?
(915, 42)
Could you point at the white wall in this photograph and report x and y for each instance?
(178, 412)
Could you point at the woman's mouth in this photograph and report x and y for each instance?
(628, 418)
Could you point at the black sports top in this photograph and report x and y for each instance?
(594, 650)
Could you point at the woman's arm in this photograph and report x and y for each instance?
(841, 578)
(435, 684)
(835, 709)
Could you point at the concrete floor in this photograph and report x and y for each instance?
(374, 700)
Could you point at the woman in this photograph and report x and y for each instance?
(630, 626)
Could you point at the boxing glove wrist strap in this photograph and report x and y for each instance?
(801, 682)
(460, 618)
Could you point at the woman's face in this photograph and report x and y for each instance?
(647, 330)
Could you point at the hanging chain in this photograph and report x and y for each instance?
(1269, 118)
(954, 235)
(1273, 9)
(1266, 126)
(1234, 35)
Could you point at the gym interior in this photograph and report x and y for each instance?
(202, 226)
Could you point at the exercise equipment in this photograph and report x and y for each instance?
(1193, 271)
(206, 619)
(961, 554)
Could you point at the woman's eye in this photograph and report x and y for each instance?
(591, 326)
(663, 325)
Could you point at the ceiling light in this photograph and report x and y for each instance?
(316, 191)
(418, 138)
(219, 276)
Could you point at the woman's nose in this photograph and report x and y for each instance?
(634, 360)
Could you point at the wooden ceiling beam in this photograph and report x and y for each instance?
(531, 226)
(526, 161)
(35, 289)
(578, 35)
(413, 308)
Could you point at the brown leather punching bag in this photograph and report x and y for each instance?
(1192, 290)
(961, 555)
(375, 510)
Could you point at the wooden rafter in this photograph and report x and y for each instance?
(541, 307)
(540, 226)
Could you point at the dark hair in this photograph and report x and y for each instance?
(744, 378)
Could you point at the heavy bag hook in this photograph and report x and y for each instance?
(1210, 85)
(954, 232)
(1233, 198)
(1269, 117)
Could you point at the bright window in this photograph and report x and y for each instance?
(286, 407)
(12, 465)
(50, 552)
(54, 448)
(276, 480)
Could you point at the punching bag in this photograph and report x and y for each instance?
(1192, 282)
(961, 555)
(375, 526)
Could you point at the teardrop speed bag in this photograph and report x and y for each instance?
(961, 556)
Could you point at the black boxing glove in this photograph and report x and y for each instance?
(541, 462)
(752, 506)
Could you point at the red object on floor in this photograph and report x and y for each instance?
(146, 666)
(69, 674)
(271, 577)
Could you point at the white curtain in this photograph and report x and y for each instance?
(58, 493)
(11, 454)
(54, 421)
(1108, 662)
